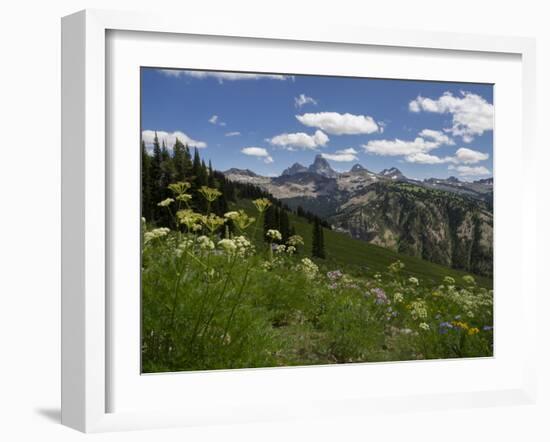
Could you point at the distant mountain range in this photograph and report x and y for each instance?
(447, 221)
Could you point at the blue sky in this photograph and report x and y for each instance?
(268, 122)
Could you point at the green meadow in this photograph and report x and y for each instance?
(219, 291)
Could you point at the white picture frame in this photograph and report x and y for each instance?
(86, 316)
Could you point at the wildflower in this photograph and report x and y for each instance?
(460, 324)
(449, 280)
(334, 275)
(380, 295)
(212, 222)
(209, 193)
(228, 245)
(468, 279)
(473, 331)
(291, 250)
(166, 202)
(398, 297)
(244, 246)
(155, 234)
(188, 218)
(205, 243)
(180, 187)
(240, 219)
(418, 309)
(444, 327)
(280, 248)
(185, 244)
(396, 266)
(424, 326)
(185, 197)
(143, 220)
(309, 268)
(413, 280)
(274, 235)
(295, 240)
(487, 328)
(377, 276)
(266, 265)
(262, 204)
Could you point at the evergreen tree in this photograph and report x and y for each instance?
(270, 220)
(318, 243)
(284, 225)
(145, 183)
(179, 160)
(156, 189)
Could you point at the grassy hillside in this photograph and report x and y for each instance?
(363, 259)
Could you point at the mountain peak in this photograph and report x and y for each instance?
(294, 169)
(393, 173)
(321, 167)
(235, 171)
(357, 167)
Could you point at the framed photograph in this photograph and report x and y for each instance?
(265, 223)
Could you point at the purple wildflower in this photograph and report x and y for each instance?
(381, 297)
(487, 327)
(334, 275)
(444, 327)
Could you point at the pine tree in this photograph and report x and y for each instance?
(145, 183)
(270, 219)
(179, 161)
(156, 172)
(318, 246)
(284, 225)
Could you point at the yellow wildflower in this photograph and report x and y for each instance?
(262, 204)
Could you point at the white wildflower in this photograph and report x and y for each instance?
(398, 297)
(295, 241)
(228, 245)
(309, 268)
(166, 202)
(205, 243)
(274, 235)
(413, 280)
(155, 233)
(418, 309)
(280, 249)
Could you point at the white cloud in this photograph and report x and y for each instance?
(340, 124)
(417, 150)
(344, 155)
(436, 136)
(300, 140)
(399, 147)
(169, 138)
(472, 114)
(425, 158)
(469, 156)
(467, 171)
(215, 120)
(259, 152)
(232, 134)
(222, 76)
(303, 99)
(463, 155)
